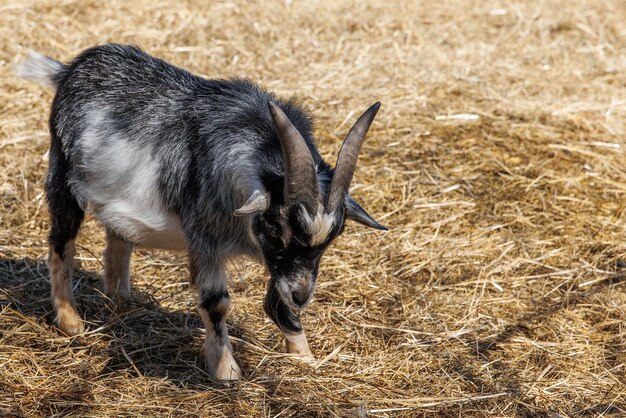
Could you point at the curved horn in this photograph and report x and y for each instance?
(348, 155)
(257, 202)
(300, 174)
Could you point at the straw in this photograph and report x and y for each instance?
(497, 161)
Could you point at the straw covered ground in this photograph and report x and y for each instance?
(497, 160)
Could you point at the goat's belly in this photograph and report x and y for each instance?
(162, 240)
(117, 180)
(156, 229)
(169, 238)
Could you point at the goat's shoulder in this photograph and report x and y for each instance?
(238, 105)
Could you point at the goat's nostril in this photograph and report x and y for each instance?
(300, 297)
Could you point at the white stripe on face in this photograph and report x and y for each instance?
(320, 226)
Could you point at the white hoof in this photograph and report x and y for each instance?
(299, 347)
(227, 369)
(306, 359)
(69, 321)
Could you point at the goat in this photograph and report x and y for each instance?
(217, 168)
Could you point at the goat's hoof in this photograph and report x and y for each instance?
(228, 371)
(301, 352)
(307, 359)
(76, 264)
(298, 347)
(229, 375)
(119, 302)
(69, 322)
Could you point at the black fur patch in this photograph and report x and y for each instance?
(210, 301)
(283, 316)
(66, 215)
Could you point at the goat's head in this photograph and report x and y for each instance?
(295, 227)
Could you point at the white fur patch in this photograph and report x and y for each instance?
(120, 187)
(320, 226)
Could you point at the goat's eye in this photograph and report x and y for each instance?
(272, 229)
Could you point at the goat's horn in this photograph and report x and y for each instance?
(257, 202)
(300, 174)
(348, 155)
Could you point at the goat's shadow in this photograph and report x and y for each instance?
(142, 338)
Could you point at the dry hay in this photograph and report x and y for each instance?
(497, 160)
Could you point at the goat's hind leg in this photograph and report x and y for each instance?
(66, 217)
(117, 267)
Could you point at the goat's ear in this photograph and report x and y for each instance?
(355, 212)
(257, 202)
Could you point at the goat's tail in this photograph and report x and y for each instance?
(40, 69)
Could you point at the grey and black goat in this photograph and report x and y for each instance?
(218, 168)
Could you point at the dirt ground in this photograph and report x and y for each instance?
(497, 161)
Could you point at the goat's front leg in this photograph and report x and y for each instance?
(209, 279)
(288, 320)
